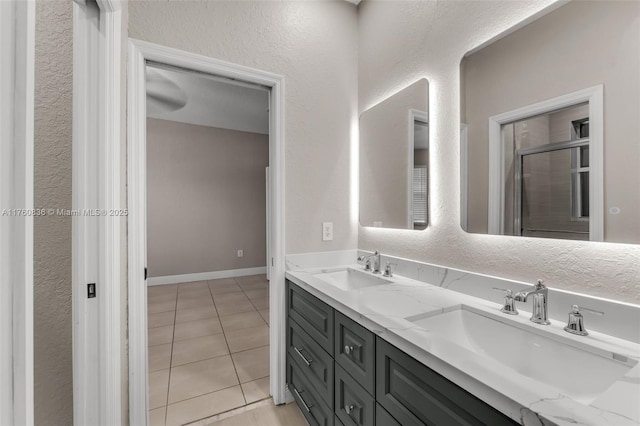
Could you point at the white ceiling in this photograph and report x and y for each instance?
(194, 98)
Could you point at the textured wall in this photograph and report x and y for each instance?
(205, 198)
(400, 42)
(314, 46)
(52, 269)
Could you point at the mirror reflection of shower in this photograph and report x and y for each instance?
(546, 169)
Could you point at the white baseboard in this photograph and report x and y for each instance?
(201, 276)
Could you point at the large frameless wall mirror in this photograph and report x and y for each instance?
(394, 160)
(551, 117)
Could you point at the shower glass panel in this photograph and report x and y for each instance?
(555, 194)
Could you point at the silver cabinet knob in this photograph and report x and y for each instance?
(349, 408)
(348, 349)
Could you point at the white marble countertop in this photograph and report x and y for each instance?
(384, 309)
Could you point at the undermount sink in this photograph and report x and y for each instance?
(575, 372)
(351, 279)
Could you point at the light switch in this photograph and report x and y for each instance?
(240, 253)
(327, 231)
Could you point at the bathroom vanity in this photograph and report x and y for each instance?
(364, 349)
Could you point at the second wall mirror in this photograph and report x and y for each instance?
(550, 127)
(394, 160)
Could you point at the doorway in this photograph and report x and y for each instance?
(207, 292)
(226, 290)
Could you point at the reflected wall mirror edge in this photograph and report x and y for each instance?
(581, 53)
(394, 160)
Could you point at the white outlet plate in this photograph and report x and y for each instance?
(240, 253)
(327, 231)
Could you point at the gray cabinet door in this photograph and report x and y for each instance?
(354, 349)
(354, 406)
(311, 404)
(416, 395)
(383, 418)
(314, 362)
(312, 314)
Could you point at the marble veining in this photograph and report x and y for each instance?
(387, 310)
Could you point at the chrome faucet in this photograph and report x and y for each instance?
(539, 311)
(367, 262)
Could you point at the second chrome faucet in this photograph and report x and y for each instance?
(539, 294)
(367, 262)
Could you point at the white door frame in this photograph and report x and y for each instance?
(139, 53)
(414, 115)
(17, 52)
(464, 175)
(595, 97)
(96, 224)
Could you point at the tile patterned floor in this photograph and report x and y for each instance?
(208, 348)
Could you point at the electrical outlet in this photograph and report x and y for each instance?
(327, 231)
(240, 253)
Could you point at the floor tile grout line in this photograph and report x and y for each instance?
(251, 301)
(218, 356)
(201, 395)
(171, 358)
(235, 370)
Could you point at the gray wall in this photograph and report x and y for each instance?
(205, 198)
(400, 42)
(53, 391)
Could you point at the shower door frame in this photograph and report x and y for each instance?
(520, 154)
(595, 97)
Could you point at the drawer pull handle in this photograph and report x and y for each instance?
(349, 409)
(304, 358)
(348, 349)
(306, 407)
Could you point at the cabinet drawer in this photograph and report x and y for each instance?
(315, 364)
(416, 395)
(311, 404)
(354, 406)
(383, 418)
(313, 315)
(355, 350)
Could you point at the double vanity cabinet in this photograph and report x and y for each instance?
(342, 374)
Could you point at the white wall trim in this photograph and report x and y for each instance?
(464, 176)
(139, 53)
(414, 115)
(202, 276)
(96, 185)
(17, 53)
(595, 96)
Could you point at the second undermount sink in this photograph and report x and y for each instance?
(351, 279)
(580, 374)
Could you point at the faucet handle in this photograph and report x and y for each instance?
(387, 269)
(539, 285)
(509, 305)
(575, 324)
(366, 260)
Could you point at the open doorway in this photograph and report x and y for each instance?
(199, 335)
(207, 294)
